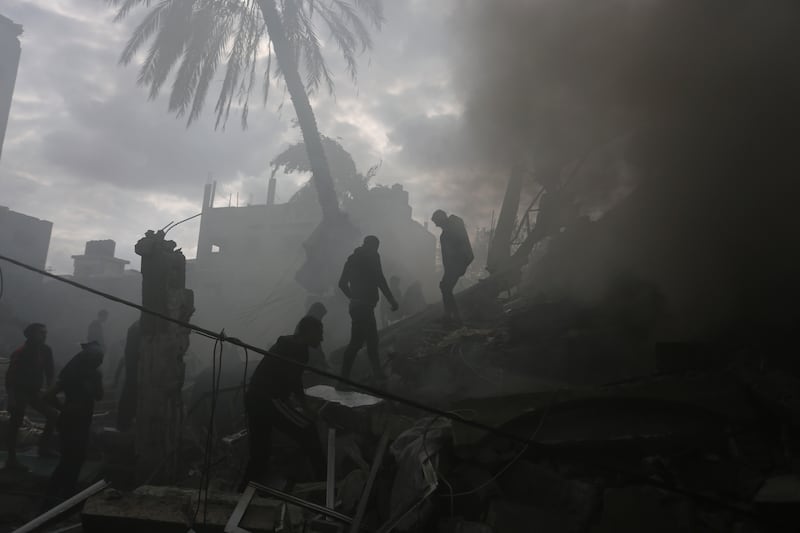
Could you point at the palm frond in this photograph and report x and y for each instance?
(194, 38)
(149, 25)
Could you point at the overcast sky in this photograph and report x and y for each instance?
(86, 150)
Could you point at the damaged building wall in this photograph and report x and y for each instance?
(247, 258)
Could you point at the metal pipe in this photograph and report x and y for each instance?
(291, 498)
(66, 505)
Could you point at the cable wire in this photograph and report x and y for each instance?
(544, 449)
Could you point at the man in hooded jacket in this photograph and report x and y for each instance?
(360, 281)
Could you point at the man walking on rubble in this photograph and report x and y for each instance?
(361, 278)
(30, 367)
(456, 257)
(82, 384)
(275, 398)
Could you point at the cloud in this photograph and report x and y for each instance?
(88, 151)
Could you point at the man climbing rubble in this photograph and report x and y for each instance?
(275, 399)
(30, 367)
(81, 382)
(456, 257)
(361, 278)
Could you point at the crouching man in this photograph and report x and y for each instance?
(81, 382)
(275, 399)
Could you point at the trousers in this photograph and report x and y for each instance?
(363, 330)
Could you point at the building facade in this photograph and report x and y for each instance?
(10, 50)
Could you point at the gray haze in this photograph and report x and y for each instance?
(86, 150)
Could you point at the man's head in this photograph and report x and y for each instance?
(371, 243)
(102, 315)
(93, 352)
(35, 333)
(309, 331)
(317, 310)
(439, 218)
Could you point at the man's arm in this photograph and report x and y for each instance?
(384, 287)
(344, 279)
(49, 368)
(119, 370)
(50, 396)
(98, 385)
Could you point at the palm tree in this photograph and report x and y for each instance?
(197, 35)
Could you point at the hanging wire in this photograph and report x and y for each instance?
(530, 444)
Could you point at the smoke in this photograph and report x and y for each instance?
(704, 95)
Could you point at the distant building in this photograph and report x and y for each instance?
(26, 239)
(10, 50)
(98, 261)
(68, 310)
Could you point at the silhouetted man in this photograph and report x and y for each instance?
(275, 398)
(82, 384)
(361, 278)
(95, 332)
(126, 410)
(30, 367)
(456, 257)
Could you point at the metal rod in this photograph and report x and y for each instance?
(291, 498)
(66, 505)
(373, 473)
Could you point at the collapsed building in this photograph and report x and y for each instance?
(247, 258)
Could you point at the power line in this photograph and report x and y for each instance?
(545, 449)
(237, 342)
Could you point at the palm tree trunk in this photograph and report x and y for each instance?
(305, 115)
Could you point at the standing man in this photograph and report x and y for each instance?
(82, 385)
(361, 278)
(456, 257)
(95, 332)
(275, 398)
(30, 367)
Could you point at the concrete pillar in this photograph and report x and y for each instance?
(161, 350)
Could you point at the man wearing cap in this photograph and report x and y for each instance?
(456, 257)
(30, 367)
(360, 281)
(81, 382)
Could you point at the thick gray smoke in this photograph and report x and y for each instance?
(706, 94)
